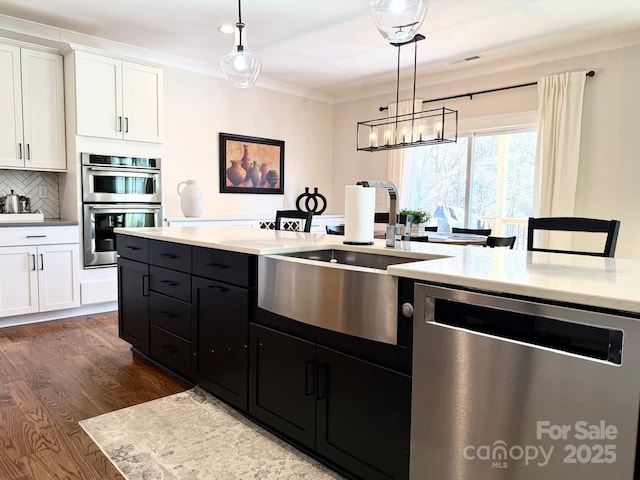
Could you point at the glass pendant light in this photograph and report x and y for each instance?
(240, 66)
(398, 20)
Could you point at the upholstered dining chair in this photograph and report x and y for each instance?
(283, 215)
(500, 242)
(575, 224)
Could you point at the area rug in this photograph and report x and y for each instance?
(194, 436)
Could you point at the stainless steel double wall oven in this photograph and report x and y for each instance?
(117, 192)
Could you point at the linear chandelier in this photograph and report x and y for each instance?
(415, 129)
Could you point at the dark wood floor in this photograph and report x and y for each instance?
(55, 373)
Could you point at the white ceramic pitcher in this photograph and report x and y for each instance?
(191, 199)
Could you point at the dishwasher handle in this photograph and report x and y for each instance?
(536, 327)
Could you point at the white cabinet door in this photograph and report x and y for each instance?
(43, 110)
(116, 99)
(142, 101)
(98, 96)
(10, 107)
(18, 281)
(58, 282)
(32, 106)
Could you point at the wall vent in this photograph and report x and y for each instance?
(466, 59)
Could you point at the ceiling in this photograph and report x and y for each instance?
(332, 46)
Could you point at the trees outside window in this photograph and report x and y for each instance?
(484, 180)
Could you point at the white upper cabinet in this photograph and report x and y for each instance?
(118, 99)
(32, 102)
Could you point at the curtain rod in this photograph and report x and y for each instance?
(590, 73)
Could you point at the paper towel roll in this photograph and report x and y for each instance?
(359, 211)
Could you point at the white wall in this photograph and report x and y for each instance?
(609, 174)
(197, 107)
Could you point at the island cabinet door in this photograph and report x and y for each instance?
(363, 416)
(282, 383)
(222, 315)
(133, 303)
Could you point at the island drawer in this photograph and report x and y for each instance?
(172, 283)
(170, 255)
(230, 267)
(171, 351)
(134, 248)
(170, 314)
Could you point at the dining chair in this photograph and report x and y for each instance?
(335, 229)
(500, 242)
(406, 220)
(294, 216)
(475, 231)
(575, 224)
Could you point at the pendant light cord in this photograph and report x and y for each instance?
(397, 88)
(415, 65)
(240, 26)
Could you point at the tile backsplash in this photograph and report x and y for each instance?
(42, 188)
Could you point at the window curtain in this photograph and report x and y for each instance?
(397, 157)
(560, 99)
(558, 146)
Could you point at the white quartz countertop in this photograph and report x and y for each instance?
(585, 280)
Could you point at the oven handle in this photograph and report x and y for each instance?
(126, 207)
(119, 170)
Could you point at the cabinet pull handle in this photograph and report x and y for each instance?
(41, 262)
(36, 236)
(169, 282)
(126, 124)
(170, 349)
(33, 261)
(169, 314)
(145, 285)
(20, 151)
(309, 377)
(323, 381)
(169, 255)
(28, 151)
(218, 265)
(119, 124)
(218, 288)
(132, 247)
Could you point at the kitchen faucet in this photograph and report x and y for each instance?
(393, 197)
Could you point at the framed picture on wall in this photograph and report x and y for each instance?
(251, 164)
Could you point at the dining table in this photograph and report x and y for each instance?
(451, 238)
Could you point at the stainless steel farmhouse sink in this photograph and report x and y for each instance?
(344, 291)
(357, 259)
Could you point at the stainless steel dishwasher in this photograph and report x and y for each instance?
(510, 389)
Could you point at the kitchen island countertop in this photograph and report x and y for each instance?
(609, 283)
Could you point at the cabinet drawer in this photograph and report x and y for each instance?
(170, 255)
(44, 235)
(230, 267)
(172, 283)
(171, 314)
(171, 351)
(135, 248)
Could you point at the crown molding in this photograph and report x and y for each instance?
(65, 41)
(443, 72)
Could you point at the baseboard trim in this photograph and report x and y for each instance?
(57, 314)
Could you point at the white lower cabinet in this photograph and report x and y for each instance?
(38, 278)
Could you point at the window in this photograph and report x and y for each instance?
(485, 180)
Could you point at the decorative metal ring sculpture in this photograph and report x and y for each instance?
(314, 202)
